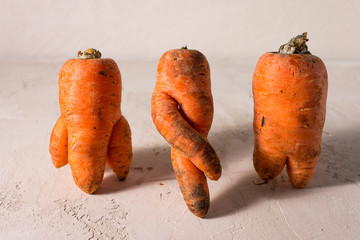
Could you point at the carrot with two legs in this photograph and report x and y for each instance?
(290, 91)
(91, 129)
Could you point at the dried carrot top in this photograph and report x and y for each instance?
(296, 45)
(90, 53)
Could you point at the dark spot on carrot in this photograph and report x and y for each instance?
(293, 62)
(176, 75)
(102, 73)
(200, 207)
(303, 119)
(198, 191)
(114, 105)
(122, 179)
(113, 82)
(94, 127)
(281, 91)
(211, 160)
(175, 59)
(315, 153)
(263, 121)
(202, 74)
(293, 74)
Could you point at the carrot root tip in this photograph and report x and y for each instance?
(200, 208)
(122, 179)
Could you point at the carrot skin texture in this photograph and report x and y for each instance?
(120, 149)
(59, 144)
(192, 182)
(89, 96)
(182, 111)
(290, 92)
(181, 136)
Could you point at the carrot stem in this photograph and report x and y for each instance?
(90, 53)
(296, 45)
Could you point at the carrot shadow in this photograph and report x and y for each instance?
(232, 143)
(150, 164)
(339, 162)
(338, 165)
(153, 163)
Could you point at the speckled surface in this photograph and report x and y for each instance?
(38, 201)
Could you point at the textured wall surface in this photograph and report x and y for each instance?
(139, 29)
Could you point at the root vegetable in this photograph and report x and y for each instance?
(290, 91)
(182, 111)
(91, 129)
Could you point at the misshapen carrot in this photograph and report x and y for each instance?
(290, 91)
(182, 111)
(91, 129)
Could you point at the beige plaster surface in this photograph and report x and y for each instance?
(38, 201)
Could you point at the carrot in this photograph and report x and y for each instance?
(91, 129)
(290, 91)
(182, 111)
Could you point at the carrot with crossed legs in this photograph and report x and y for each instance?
(182, 111)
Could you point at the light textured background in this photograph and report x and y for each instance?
(140, 29)
(38, 201)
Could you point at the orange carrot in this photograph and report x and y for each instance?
(91, 129)
(290, 91)
(182, 111)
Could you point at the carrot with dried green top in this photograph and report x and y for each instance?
(91, 129)
(182, 111)
(290, 91)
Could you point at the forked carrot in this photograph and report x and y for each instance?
(290, 91)
(91, 129)
(182, 111)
